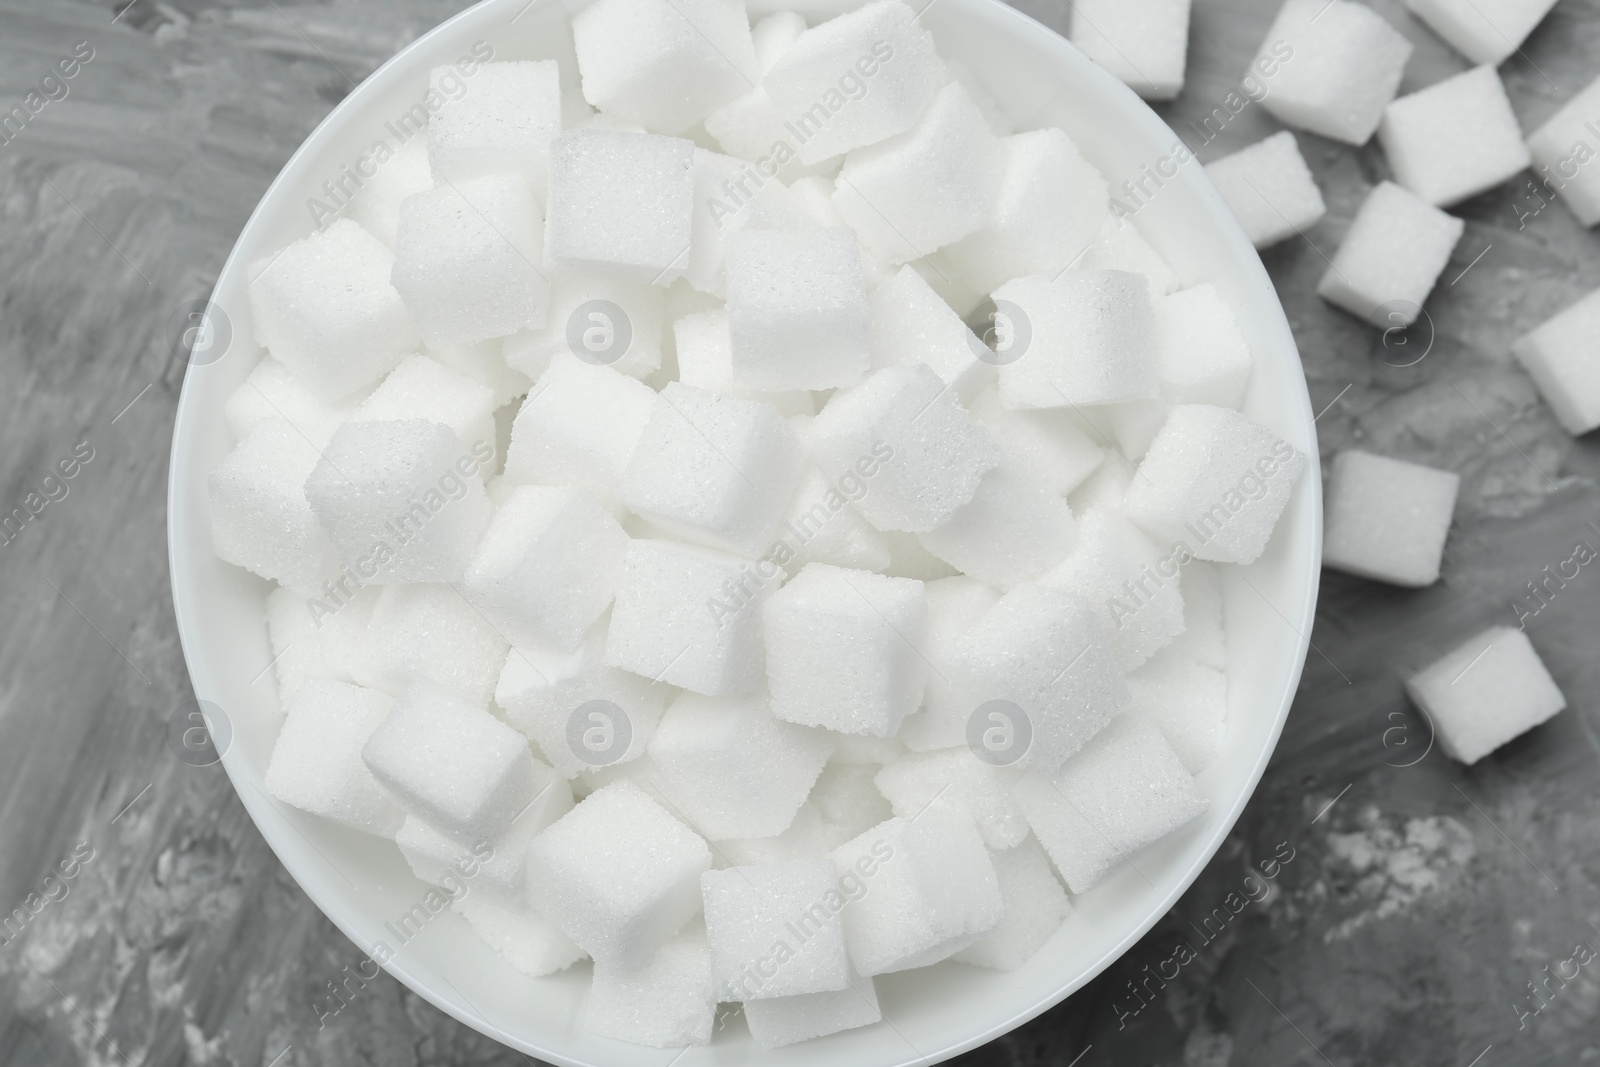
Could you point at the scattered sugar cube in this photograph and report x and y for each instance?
(779, 1021)
(1387, 519)
(1187, 701)
(467, 260)
(1131, 583)
(1560, 357)
(1143, 42)
(958, 779)
(260, 519)
(376, 205)
(453, 765)
(1485, 692)
(602, 321)
(316, 763)
(907, 435)
(1485, 31)
(1043, 654)
(1214, 482)
(910, 324)
(579, 426)
(619, 875)
(429, 632)
(324, 307)
(730, 768)
(1331, 68)
(843, 649)
(781, 917)
(1203, 639)
(690, 617)
(400, 500)
(502, 123)
(527, 942)
(1035, 907)
(1124, 790)
(1454, 139)
(1050, 440)
(622, 204)
(664, 64)
(271, 393)
(797, 309)
(922, 189)
(955, 606)
(1201, 355)
(664, 1003)
(1269, 189)
(315, 638)
(1084, 337)
(823, 527)
(1120, 246)
(1564, 144)
(1012, 530)
(916, 891)
(420, 388)
(485, 362)
(1394, 252)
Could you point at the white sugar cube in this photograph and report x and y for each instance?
(907, 435)
(821, 526)
(400, 500)
(718, 470)
(324, 307)
(1454, 139)
(316, 762)
(855, 80)
(527, 942)
(271, 393)
(622, 204)
(1395, 250)
(579, 426)
(1560, 356)
(421, 388)
(467, 260)
(485, 362)
(955, 606)
(922, 189)
(1035, 907)
(1049, 208)
(1120, 246)
(731, 196)
(1131, 583)
(376, 206)
(916, 891)
(704, 346)
(260, 519)
(1124, 790)
(1187, 701)
(618, 874)
(912, 324)
(797, 309)
(547, 566)
(1050, 440)
(665, 1003)
(502, 123)
(315, 637)
(1143, 42)
(954, 777)
(775, 930)
(1214, 482)
(1201, 356)
(690, 617)
(843, 649)
(664, 64)
(1387, 519)
(1331, 67)
(1042, 674)
(602, 321)
(1565, 144)
(731, 768)
(453, 765)
(429, 632)
(1012, 530)
(1269, 189)
(781, 1021)
(1203, 639)
(1083, 337)
(1485, 31)
(1488, 690)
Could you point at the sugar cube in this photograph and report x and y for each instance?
(924, 188)
(1485, 31)
(501, 123)
(704, 347)
(1566, 143)
(325, 308)
(579, 426)
(467, 258)
(1213, 482)
(690, 617)
(1012, 530)
(260, 519)
(956, 778)
(1331, 67)
(1394, 252)
(910, 324)
(664, 64)
(270, 393)
(1124, 790)
(618, 875)
(527, 942)
(421, 388)
(955, 606)
(822, 526)
(775, 930)
(730, 196)
(1454, 139)
(485, 362)
(602, 321)
(316, 762)
(1387, 519)
(779, 1021)
(1484, 692)
(843, 649)
(1269, 189)
(428, 631)
(907, 435)
(1035, 907)
(1120, 246)
(376, 205)
(664, 1003)
(622, 204)
(1559, 355)
(400, 500)
(797, 309)
(1201, 356)
(1059, 454)
(1082, 337)
(1203, 639)
(730, 768)
(1187, 701)
(1131, 583)
(1143, 42)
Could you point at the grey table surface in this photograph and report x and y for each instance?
(1417, 909)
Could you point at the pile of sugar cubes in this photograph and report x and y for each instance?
(660, 554)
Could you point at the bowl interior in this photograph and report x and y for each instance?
(363, 884)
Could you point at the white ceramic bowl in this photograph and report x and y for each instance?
(362, 883)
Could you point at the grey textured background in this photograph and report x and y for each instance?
(1405, 930)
